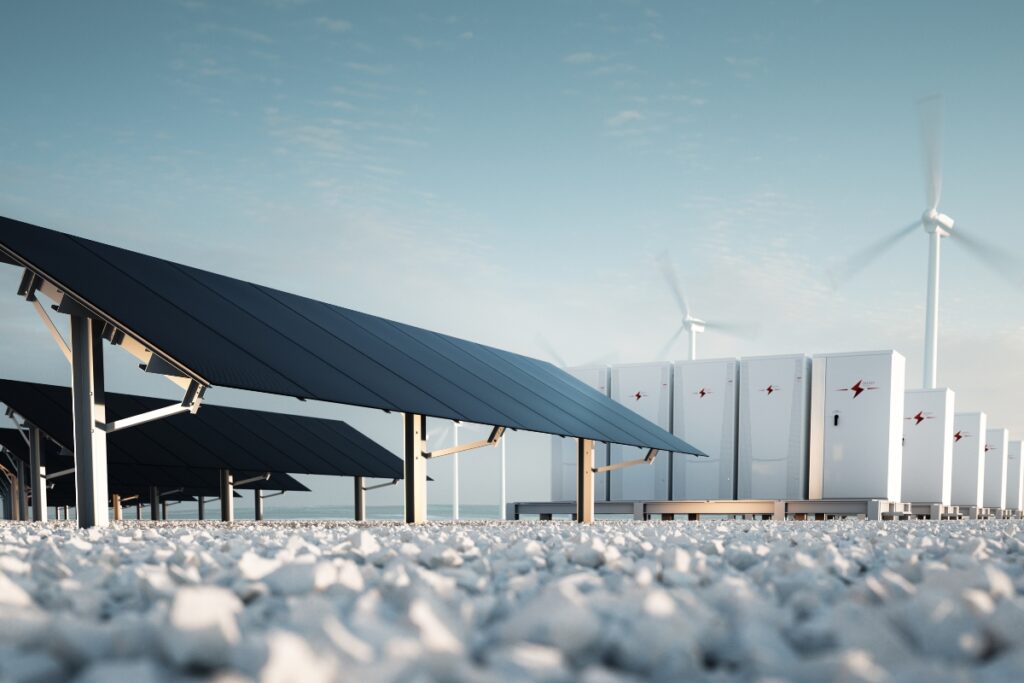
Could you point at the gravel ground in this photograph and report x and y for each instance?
(520, 601)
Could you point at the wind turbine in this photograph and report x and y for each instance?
(936, 225)
(691, 324)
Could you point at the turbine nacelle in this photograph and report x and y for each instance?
(693, 324)
(934, 221)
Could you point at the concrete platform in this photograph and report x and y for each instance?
(695, 509)
(936, 511)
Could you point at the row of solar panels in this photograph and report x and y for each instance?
(218, 331)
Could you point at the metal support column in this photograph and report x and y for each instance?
(584, 481)
(115, 501)
(138, 508)
(202, 508)
(415, 468)
(359, 499)
(89, 408)
(154, 503)
(163, 509)
(67, 513)
(258, 500)
(227, 496)
(22, 497)
(37, 473)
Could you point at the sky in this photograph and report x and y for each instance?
(510, 173)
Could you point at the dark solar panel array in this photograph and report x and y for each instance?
(127, 478)
(237, 334)
(216, 437)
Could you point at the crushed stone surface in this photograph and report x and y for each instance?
(845, 600)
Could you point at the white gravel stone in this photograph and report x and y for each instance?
(202, 626)
(523, 601)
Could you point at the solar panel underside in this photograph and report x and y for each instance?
(237, 334)
(131, 477)
(216, 437)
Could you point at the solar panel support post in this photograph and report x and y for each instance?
(21, 494)
(37, 473)
(415, 468)
(227, 495)
(115, 502)
(138, 509)
(359, 499)
(163, 509)
(202, 508)
(154, 503)
(584, 481)
(258, 500)
(88, 407)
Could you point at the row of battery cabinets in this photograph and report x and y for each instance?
(748, 416)
(787, 427)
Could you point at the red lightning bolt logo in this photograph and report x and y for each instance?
(858, 388)
(958, 436)
(770, 389)
(638, 396)
(702, 393)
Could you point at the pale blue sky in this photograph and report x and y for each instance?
(499, 170)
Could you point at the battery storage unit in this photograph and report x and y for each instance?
(969, 459)
(704, 416)
(856, 426)
(1014, 477)
(995, 467)
(646, 389)
(563, 449)
(928, 446)
(774, 404)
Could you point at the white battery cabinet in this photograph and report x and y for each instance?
(928, 446)
(772, 429)
(563, 449)
(1014, 477)
(856, 425)
(969, 459)
(996, 441)
(704, 415)
(646, 389)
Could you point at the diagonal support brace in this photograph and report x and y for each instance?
(393, 482)
(646, 460)
(189, 404)
(492, 440)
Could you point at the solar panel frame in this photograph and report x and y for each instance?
(337, 355)
(216, 437)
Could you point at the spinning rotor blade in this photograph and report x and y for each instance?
(863, 258)
(930, 110)
(668, 271)
(551, 351)
(738, 330)
(663, 353)
(991, 256)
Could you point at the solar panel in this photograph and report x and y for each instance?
(217, 437)
(126, 478)
(232, 333)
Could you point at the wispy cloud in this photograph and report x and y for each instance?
(373, 69)
(334, 25)
(583, 58)
(624, 117)
(744, 67)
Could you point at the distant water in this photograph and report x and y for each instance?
(342, 512)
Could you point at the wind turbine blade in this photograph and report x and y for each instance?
(991, 256)
(606, 359)
(738, 330)
(930, 110)
(668, 271)
(551, 351)
(861, 259)
(663, 353)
